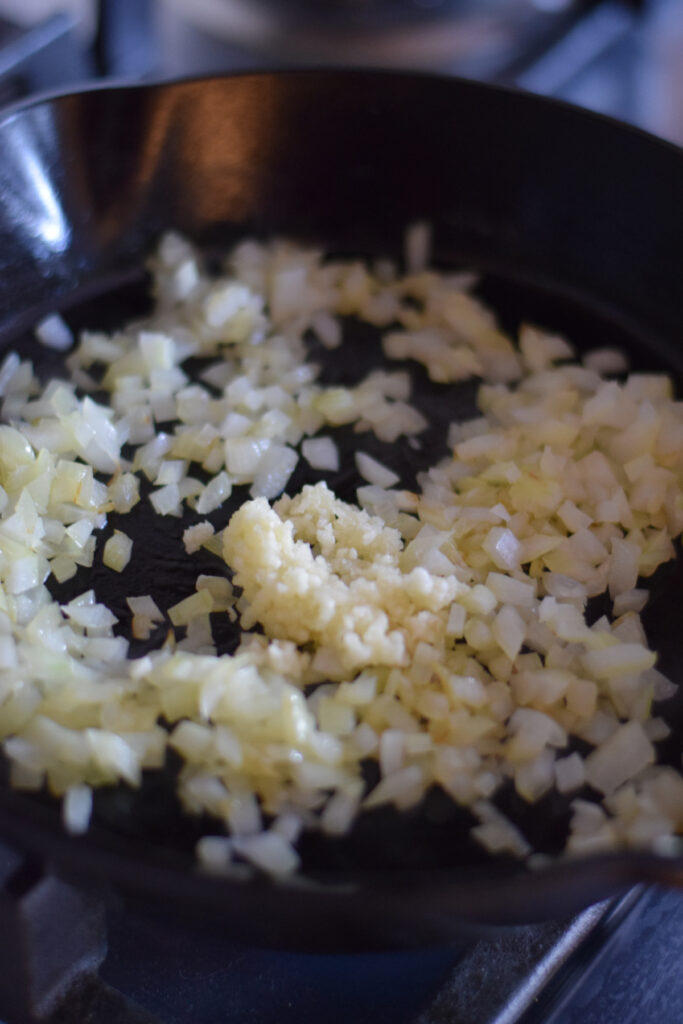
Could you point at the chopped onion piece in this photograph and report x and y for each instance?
(191, 607)
(418, 242)
(375, 472)
(166, 500)
(606, 361)
(618, 659)
(328, 329)
(267, 851)
(274, 470)
(55, 333)
(76, 809)
(214, 494)
(214, 853)
(569, 773)
(503, 548)
(321, 453)
(195, 536)
(117, 551)
(509, 629)
(621, 756)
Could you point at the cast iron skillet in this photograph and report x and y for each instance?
(574, 222)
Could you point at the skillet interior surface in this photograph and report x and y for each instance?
(559, 213)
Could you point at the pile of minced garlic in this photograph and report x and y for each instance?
(440, 633)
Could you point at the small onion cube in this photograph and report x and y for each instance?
(375, 472)
(511, 591)
(166, 500)
(534, 778)
(77, 809)
(569, 773)
(117, 551)
(53, 332)
(618, 659)
(509, 629)
(214, 853)
(243, 454)
(418, 243)
(321, 453)
(456, 620)
(267, 851)
(618, 758)
(339, 814)
(274, 470)
(200, 603)
(195, 536)
(327, 328)
(630, 601)
(502, 547)
(214, 494)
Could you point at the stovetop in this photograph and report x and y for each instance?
(69, 958)
(563, 973)
(620, 57)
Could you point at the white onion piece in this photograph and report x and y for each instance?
(77, 808)
(267, 851)
(606, 360)
(621, 756)
(195, 536)
(569, 773)
(274, 470)
(53, 332)
(418, 242)
(117, 551)
(375, 472)
(321, 453)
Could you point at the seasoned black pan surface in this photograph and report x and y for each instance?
(572, 222)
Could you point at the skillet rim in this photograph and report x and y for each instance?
(47, 96)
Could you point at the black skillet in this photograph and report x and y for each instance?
(574, 222)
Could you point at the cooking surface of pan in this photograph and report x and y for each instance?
(571, 220)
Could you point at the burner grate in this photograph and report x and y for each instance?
(44, 57)
(68, 959)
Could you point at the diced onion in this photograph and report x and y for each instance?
(321, 453)
(375, 472)
(117, 551)
(195, 536)
(440, 632)
(55, 333)
(77, 808)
